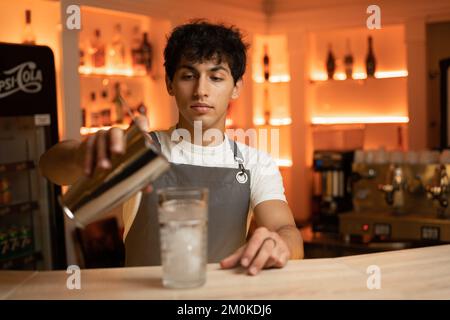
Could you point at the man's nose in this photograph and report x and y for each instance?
(201, 89)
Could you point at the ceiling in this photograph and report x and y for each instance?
(280, 6)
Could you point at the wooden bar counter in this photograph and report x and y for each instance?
(422, 273)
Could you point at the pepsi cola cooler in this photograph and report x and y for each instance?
(31, 222)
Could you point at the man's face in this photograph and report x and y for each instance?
(202, 91)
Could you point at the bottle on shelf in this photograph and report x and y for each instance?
(14, 243)
(5, 192)
(83, 116)
(348, 62)
(136, 57)
(146, 52)
(400, 138)
(25, 238)
(97, 50)
(266, 63)
(266, 66)
(28, 36)
(118, 104)
(94, 113)
(117, 49)
(331, 63)
(105, 111)
(370, 59)
(4, 244)
(267, 113)
(82, 58)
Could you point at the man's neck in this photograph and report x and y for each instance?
(197, 133)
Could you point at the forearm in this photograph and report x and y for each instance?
(60, 164)
(291, 235)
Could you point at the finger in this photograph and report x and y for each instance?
(281, 260)
(117, 141)
(261, 258)
(271, 262)
(142, 122)
(89, 151)
(102, 152)
(232, 260)
(253, 246)
(148, 189)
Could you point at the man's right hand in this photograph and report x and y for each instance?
(67, 161)
(97, 150)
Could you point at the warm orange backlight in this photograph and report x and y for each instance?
(356, 119)
(110, 71)
(273, 121)
(273, 79)
(322, 76)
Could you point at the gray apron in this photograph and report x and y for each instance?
(229, 199)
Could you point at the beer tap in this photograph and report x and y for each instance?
(439, 190)
(395, 185)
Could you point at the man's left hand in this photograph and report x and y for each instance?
(265, 249)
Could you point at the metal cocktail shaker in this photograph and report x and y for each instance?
(91, 197)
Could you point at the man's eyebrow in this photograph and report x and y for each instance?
(213, 69)
(217, 68)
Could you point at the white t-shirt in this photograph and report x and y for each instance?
(266, 182)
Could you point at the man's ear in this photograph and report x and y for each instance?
(169, 85)
(237, 89)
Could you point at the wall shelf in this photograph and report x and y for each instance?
(18, 208)
(16, 166)
(20, 259)
(360, 101)
(273, 122)
(273, 79)
(102, 72)
(284, 163)
(359, 120)
(339, 76)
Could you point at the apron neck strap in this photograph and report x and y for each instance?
(237, 154)
(155, 140)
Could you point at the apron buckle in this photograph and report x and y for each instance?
(241, 177)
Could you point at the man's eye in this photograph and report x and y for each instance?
(187, 76)
(216, 79)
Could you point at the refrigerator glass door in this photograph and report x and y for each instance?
(25, 201)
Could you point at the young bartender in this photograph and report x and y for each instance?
(204, 65)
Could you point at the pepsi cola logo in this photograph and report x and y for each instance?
(23, 77)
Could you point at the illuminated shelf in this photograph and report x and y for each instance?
(276, 122)
(110, 72)
(273, 79)
(358, 120)
(90, 130)
(340, 76)
(284, 163)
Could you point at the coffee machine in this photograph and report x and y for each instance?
(399, 197)
(332, 193)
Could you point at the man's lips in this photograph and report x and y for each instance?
(201, 108)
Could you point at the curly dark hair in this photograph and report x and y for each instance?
(200, 40)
